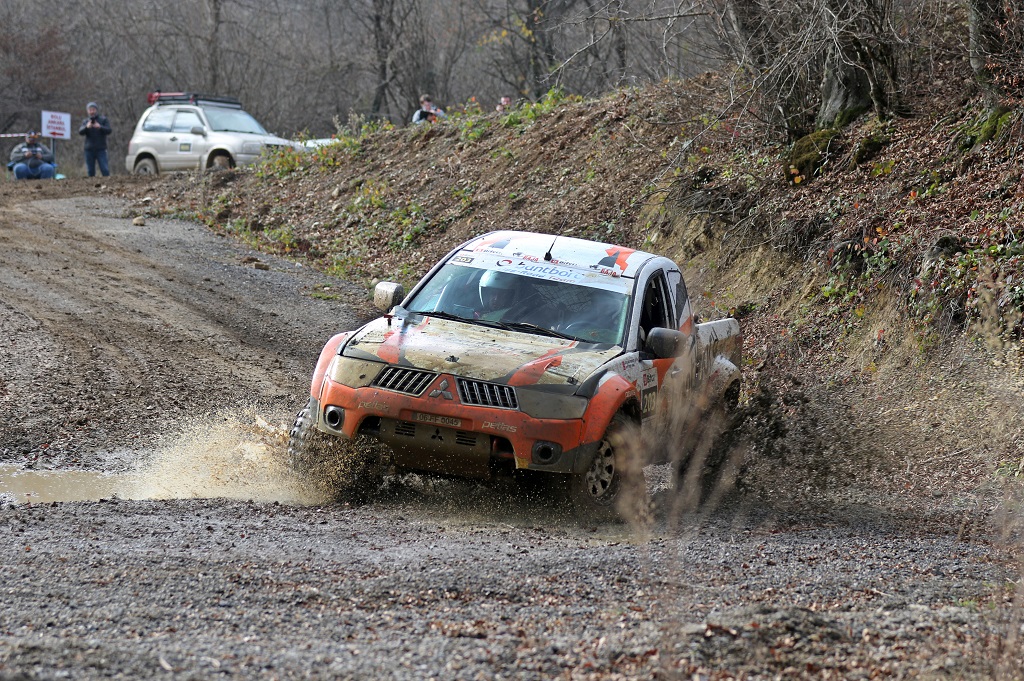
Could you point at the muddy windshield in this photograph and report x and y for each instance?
(521, 303)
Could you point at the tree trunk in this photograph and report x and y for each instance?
(532, 20)
(213, 7)
(619, 41)
(984, 18)
(844, 89)
(383, 31)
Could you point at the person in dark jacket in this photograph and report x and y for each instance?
(95, 128)
(31, 160)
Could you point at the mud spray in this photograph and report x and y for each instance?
(236, 455)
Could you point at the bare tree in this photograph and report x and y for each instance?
(814, 62)
(299, 64)
(36, 68)
(995, 47)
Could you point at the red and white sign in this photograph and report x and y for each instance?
(56, 124)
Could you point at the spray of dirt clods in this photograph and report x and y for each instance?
(232, 455)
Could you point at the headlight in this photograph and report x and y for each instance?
(546, 405)
(252, 148)
(355, 373)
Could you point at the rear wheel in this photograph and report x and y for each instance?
(331, 467)
(145, 166)
(710, 472)
(612, 486)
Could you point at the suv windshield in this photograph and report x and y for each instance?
(586, 313)
(232, 120)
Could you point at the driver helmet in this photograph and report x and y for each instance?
(497, 290)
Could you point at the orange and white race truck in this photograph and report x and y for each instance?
(522, 352)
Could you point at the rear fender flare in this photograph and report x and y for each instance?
(723, 374)
(327, 356)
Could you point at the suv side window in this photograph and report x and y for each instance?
(675, 278)
(159, 120)
(655, 312)
(185, 121)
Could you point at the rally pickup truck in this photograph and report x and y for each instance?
(520, 354)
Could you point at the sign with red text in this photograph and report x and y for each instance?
(56, 124)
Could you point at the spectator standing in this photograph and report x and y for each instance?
(95, 128)
(427, 113)
(31, 160)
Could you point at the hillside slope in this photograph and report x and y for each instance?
(876, 269)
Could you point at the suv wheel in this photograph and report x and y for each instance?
(145, 166)
(221, 162)
(612, 486)
(710, 472)
(330, 467)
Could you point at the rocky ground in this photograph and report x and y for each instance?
(172, 357)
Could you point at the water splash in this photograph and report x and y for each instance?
(236, 455)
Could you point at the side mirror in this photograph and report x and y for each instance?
(665, 343)
(387, 294)
(198, 130)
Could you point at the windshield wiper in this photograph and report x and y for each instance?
(441, 315)
(505, 326)
(533, 328)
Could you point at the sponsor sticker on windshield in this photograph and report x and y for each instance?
(593, 276)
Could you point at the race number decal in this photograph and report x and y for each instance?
(648, 385)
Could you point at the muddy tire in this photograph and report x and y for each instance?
(612, 486)
(709, 473)
(331, 467)
(220, 162)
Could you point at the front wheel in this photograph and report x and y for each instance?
(331, 467)
(220, 162)
(612, 486)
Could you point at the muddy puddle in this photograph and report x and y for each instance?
(229, 457)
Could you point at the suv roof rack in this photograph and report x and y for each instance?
(157, 97)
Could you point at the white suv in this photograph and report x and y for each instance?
(187, 131)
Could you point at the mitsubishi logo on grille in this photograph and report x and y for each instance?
(442, 391)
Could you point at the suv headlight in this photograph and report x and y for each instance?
(355, 373)
(252, 148)
(550, 405)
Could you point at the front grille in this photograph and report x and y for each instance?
(486, 394)
(405, 428)
(407, 381)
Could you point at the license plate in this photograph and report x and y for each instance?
(448, 421)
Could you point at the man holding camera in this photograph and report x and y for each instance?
(95, 128)
(31, 160)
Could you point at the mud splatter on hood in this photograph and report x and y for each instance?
(478, 352)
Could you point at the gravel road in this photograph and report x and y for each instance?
(158, 363)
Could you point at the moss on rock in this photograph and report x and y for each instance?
(808, 153)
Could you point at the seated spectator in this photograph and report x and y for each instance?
(503, 104)
(31, 160)
(427, 113)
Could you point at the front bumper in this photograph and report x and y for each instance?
(435, 432)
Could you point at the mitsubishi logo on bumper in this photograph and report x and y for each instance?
(442, 391)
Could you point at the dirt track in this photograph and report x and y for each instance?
(148, 351)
